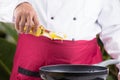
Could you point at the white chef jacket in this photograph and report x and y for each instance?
(81, 20)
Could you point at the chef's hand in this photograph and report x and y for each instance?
(25, 16)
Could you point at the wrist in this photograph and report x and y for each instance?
(23, 4)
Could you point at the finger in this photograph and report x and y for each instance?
(36, 23)
(28, 24)
(32, 27)
(22, 24)
(17, 20)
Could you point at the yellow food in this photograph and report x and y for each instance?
(56, 36)
(41, 31)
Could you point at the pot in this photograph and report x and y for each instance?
(76, 72)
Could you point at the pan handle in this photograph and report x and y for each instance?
(43, 76)
(108, 62)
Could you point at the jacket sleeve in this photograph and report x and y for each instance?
(7, 9)
(109, 20)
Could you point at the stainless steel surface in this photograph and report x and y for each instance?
(108, 62)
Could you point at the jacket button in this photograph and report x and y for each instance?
(52, 18)
(74, 18)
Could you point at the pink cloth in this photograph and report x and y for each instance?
(34, 52)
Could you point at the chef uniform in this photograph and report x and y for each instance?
(81, 21)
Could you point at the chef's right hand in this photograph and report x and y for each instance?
(25, 16)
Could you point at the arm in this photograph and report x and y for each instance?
(109, 20)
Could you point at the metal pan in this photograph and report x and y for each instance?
(76, 72)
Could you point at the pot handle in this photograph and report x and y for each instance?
(108, 62)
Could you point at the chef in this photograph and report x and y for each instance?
(79, 20)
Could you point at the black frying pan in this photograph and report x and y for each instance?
(76, 72)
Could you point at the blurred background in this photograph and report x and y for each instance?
(8, 42)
